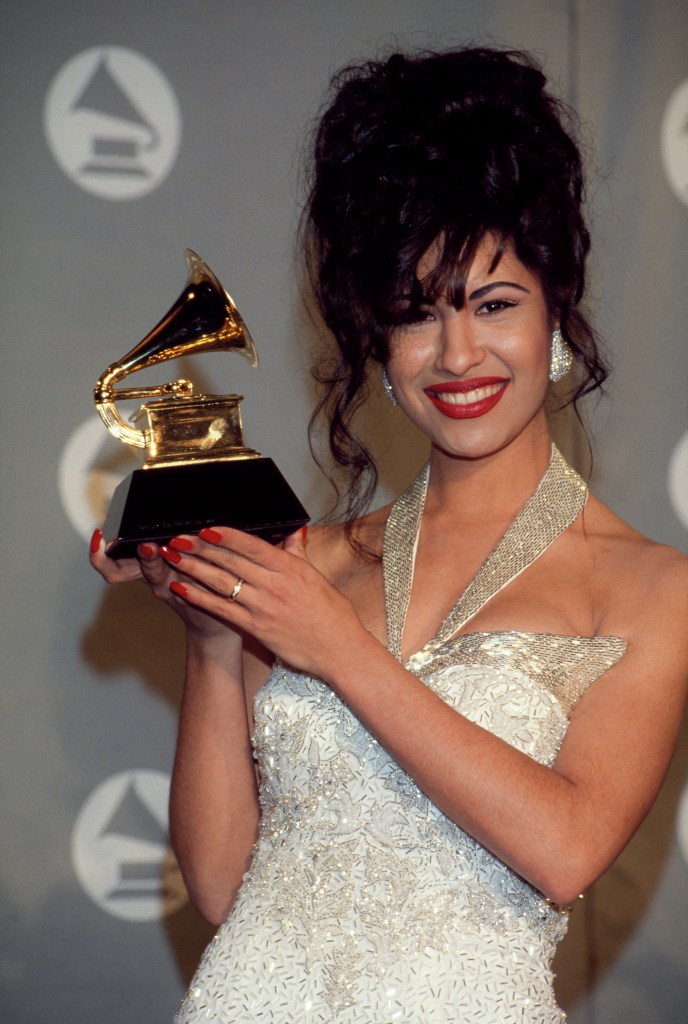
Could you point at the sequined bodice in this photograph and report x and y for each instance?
(364, 904)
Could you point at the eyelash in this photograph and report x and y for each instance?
(416, 316)
(491, 307)
(410, 317)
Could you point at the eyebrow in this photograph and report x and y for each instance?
(480, 292)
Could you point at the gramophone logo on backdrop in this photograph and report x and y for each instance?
(678, 480)
(112, 122)
(675, 141)
(120, 849)
(682, 824)
(89, 469)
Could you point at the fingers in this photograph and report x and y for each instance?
(162, 577)
(155, 569)
(112, 570)
(246, 545)
(218, 557)
(274, 595)
(215, 571)
(244, 553)
(230, 566)
(222, 567)
(222, 605)
(148, 566)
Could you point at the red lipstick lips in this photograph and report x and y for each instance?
(467, 399)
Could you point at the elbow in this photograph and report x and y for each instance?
(212, 888)
(212, 874)
(565, 878)
(214, 912)
(562, 892)
(569, 856)
(212, 903)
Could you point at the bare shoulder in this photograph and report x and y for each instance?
(332, 553)
(637, 579)
(616, 542)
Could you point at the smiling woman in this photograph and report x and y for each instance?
(493, 350)
(417, 163)
(461, 705)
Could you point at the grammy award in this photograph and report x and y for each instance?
(197, 471)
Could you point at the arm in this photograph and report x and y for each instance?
(214, 811)
(558, 828)
(213, 801)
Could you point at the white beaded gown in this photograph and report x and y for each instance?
(364, 904)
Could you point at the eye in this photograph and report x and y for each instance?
(411, 315)
(492, 306)
(419, 316)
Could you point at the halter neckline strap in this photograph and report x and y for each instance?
(553, 506)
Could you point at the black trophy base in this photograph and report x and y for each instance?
(154, 505)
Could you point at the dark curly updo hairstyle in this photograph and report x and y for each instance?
(436, 148)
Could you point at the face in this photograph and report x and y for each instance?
(473, 379)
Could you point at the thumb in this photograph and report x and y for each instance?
(295, 543)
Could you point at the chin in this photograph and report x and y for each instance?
(488, 441)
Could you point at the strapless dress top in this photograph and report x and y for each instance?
(364, 903)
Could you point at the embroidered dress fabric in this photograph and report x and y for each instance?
(364, 904)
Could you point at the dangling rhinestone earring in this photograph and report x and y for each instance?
(388, 387)
(561, 357)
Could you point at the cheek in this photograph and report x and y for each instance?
(409, 353)
(530, 349)
(538, 371)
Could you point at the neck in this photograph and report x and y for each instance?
(491, 487)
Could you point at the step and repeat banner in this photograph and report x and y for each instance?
(132, 132)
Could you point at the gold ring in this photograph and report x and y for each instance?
(237, 587)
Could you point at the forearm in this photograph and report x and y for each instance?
(213, 804)
(525, 813)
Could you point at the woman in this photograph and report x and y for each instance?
(477, 689)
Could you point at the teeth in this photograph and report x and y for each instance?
(468, 397)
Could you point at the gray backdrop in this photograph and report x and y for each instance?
(132, 131)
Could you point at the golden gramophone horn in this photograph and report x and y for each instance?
(203, 319)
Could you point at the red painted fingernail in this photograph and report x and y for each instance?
(145, 550)
(212, 536)
(170, 556)
(178, 588)
(181, 543)
(304, 531)
(95, 541)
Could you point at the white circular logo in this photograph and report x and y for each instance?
(112, 122)
(682, 824)
(90, 467)
(120, 850)
(675, 141)
(678, 480)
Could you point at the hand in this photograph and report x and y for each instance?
(117, 570)
(158, 572)
(274, 594)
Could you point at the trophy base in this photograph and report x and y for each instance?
(154, 505)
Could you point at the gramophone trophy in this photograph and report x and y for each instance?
(197, 471)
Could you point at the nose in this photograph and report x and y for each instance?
(459, 347)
